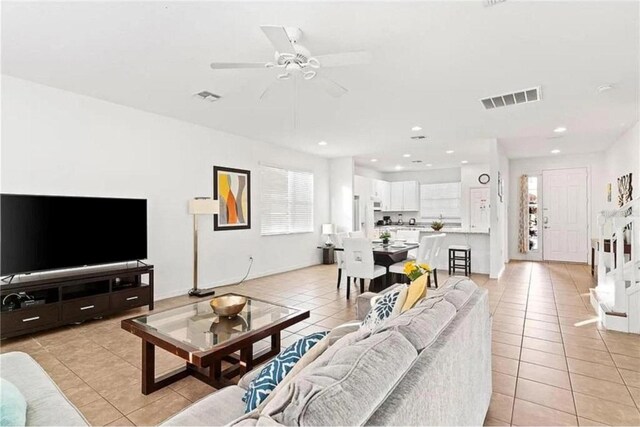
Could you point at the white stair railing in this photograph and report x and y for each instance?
(624, 220)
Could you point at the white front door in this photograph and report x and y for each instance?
(479, 208)
(564, 216)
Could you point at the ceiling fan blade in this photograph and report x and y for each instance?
(278, 38)
(332, 88)
(344, 59)
(235, 65)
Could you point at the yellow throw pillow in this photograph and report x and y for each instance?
(416, 291)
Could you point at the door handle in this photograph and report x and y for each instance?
(87, 307)
(131, 298)
(30, 319)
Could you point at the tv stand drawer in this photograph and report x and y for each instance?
(85, 308)
(130, 298)
(29, 318)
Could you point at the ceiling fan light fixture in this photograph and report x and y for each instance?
(313, 63)
(308, 75)
(285, 76)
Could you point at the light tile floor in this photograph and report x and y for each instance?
(552, 364)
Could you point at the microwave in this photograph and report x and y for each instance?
(377, 205)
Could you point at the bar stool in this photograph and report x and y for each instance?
(460, 253)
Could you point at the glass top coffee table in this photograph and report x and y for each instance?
(204, 339)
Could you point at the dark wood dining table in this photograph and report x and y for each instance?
(385, 256)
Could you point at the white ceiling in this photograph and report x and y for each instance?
(432, 62)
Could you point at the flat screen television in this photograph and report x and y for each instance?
(55, 232)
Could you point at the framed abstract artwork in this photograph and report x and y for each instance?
(232, 189)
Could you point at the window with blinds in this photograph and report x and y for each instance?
(287, 201)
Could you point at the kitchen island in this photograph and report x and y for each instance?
(477, 239)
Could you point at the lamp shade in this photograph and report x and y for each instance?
(328, 229)
(203, 206)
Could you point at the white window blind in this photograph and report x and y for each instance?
(287, 201)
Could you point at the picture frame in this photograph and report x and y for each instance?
(232, 189)
(609, 192)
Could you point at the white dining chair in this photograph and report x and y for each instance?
(359, 263)
(339, 240)
(409, 236)
(427, 254)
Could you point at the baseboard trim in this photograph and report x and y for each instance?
(231, 282)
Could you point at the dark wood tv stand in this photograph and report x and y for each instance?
(73, 296)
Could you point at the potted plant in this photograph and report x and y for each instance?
(437, 225)
(413, 271)
(385, 236)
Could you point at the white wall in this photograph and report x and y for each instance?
(499, 246)
(620, 159)
(594, 162)
(469, 175)
(366, 172)
(429, 176)
(341, 182)
(58, 142)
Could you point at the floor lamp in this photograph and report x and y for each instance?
(200, 206)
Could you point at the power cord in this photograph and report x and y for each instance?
(248, 271)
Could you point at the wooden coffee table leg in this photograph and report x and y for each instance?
(148, 367)
(149, 381)
(275, 343)
(246, 360)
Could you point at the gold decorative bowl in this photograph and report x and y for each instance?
(228, 305)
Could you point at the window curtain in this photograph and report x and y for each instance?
(523, 230)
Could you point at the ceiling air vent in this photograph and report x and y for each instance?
(416, 161)
(418, 137)
(493, 2)
(208, 96)
(520, 97)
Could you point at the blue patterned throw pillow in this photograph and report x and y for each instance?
(384, 307)
(275, 371)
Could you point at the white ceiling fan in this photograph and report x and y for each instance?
(296, 60)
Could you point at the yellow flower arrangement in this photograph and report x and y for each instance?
(413, 270)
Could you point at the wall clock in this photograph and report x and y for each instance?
(484, 179)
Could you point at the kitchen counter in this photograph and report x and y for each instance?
(427, 229)
(478, 240)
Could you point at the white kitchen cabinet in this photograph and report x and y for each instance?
(397, 196)
(411, 196)
(382, 192)
(405, 196)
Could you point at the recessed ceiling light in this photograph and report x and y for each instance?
(464, 162)
(560, 129)
(322, 143)
(398, 167)
(428, 165)
(416, 128)
(449, 151)
(556, 151)
(406, 155)
(374, 160)
(605, 88)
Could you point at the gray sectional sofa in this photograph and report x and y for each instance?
(429, 366)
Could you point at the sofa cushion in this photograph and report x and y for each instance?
(458, 291)
(219, 408)
(13, 405)
(275, 371)
(346, 384)
(384, 307)
(423, 324)
(46, 404)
